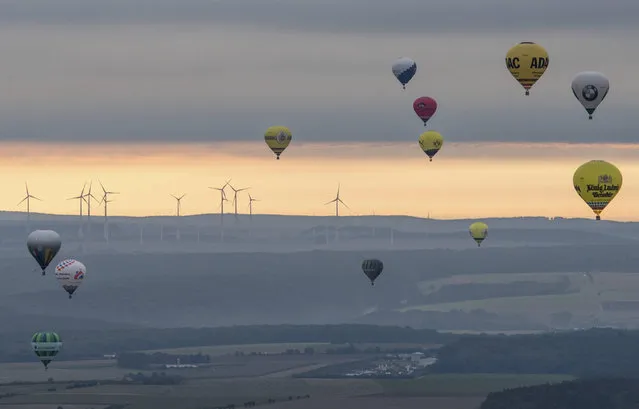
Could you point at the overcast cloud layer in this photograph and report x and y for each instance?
(195, 70)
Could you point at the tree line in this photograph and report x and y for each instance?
(94, 344)
(591, 353)
(611, 393)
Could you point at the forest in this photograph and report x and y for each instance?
(611, 393)
(591, 353)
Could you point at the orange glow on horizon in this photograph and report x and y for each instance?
(464, 180)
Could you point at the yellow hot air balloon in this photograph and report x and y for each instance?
(597, 182)
(277, 138)
(478, 231)
(527, 62)
(431, 142)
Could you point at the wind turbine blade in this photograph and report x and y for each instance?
(332, 201)
(175, 197)
(101, 185)
(340, 200)
(21, 201)
(36, 198)
(113, 193)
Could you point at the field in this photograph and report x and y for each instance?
(465, 385)
(585, 305)
(236, 380)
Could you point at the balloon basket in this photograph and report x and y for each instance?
(527, 92)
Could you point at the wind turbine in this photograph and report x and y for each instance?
(222, 200)
(87, 198)
(105, 200)
(235, 192)
(178, 199)
(337, 201)
(27, 198)
(178, 202)
(80, 198)
(251, 200)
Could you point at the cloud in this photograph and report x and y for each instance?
(96, 71)
(399, 16)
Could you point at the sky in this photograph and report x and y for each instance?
(171, 96)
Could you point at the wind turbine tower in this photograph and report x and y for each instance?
(337, 201)
(235, 192)
(251, 200)
(28, 198)
(105, 200)
(88, 196)
(80, 198)
(222, 200)
(178, 199)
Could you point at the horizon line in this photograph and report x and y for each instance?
(320, 216)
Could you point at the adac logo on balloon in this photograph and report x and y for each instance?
(590, 92)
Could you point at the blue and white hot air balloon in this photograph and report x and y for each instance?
(404, 69)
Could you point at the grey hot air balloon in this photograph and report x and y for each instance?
(43, 245)
(372, 268)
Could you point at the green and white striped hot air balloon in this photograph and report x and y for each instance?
(46, 346)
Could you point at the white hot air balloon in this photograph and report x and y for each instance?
(404, 69)
(70, 274)
(590, 88)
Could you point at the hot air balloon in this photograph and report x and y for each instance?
(590, 88)
(46, 346)
(597, 182)
(372, 268)
(70, 273)
(43, 246)
(404, 70)
(478, 231)
(277, 138)
(527, 62)
(431, 142)
(425, 108)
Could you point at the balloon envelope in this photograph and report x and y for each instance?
(597, 182)
(431, 142)
(590, 88)
(46, 346)
(70, 274)
(404, 70)
(278, 138)
(43, 245)
(478, 231)
(527, 62)
(425, 108)
(372, 268)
